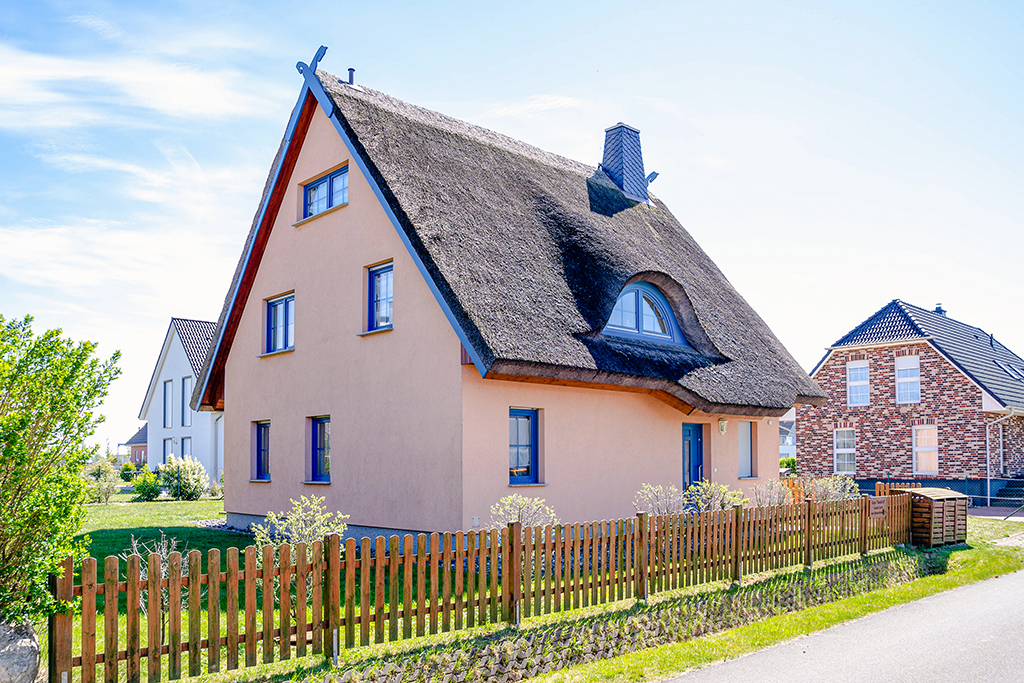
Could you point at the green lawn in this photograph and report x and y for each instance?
(110, 526)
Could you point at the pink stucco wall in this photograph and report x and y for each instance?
(597, 447)
(394, 398)
(418, 440)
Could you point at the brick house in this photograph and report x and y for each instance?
(916, 395)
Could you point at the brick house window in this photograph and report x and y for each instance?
(908, 379)
(858, 384)
(926, 449)
(844, 448)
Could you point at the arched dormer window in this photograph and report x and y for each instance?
(642, 312)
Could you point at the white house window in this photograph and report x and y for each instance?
(168, 449)
(168, 403)
(186, 446)
(908, 379)
(746, 449)
(926, 449)
(858, 385)
(844, 446)
(186, 395)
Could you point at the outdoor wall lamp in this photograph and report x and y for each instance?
(723, 425)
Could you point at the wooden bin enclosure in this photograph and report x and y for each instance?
(938, 517)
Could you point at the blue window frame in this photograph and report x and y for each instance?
(321, 455)
(262, 465)
(642, 312)
(522, 446)
(326, 193)
(281, 323)
(381, 296)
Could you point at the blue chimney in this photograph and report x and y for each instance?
(623, 162)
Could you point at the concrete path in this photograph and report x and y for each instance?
(974, 633)
(996, 513)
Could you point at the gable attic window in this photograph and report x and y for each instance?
(381, 297)
(642, 312)
(858, 383)
(325, 193)
(908, 379)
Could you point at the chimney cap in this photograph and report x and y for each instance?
(939, 309)
(620, 124)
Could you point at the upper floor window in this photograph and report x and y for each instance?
(926, 449)
(186, 395)
(522, 446)
(381, 295)
(908, 379)
(320, 469)
(168, 403)
(326, 193)
(642, 312)
(281, 323)
(844, 448)
(858, 384)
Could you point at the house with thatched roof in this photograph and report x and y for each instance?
(428, 316)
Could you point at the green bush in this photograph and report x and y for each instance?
(147, 486)
(705, 495)
(184, 478)
(788, 462)
(127, 472)
(102, 481)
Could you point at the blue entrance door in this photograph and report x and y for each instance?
(693, 454)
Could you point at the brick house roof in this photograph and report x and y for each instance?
(140, 437)
(978, 354)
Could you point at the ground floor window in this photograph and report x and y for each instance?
(261, 466)
(186, 446)
(168, 449)
(845, 450)
(746, 449)
(320, 469)
(522, 446)
(926, 449)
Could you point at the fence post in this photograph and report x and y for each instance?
(642, 565)
(737, 519)
(808, 532)
(59, 631)
(333, 545)
(515, 542)
(864, 525)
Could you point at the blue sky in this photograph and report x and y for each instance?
(829, 156)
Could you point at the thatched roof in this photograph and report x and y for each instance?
(530, 250)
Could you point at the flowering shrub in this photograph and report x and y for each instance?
(772, 492)
(658, 500)
(526, 511)
(837, 487)
(184, 478)
(705, 495)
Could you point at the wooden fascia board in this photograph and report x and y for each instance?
(294, 136)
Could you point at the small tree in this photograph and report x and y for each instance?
(184, 478)
(49, 388)
(103, 481)
(705, 495)
(127, 472)
(772, 492)
(836, 487)
(658, 500)
(526, 511)
(147, 486)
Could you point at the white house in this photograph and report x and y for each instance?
(173, 426)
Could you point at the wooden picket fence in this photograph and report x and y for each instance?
(347, 594)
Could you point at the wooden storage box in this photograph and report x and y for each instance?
(938, 516)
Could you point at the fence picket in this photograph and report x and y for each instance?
(232, 616)
(445, 576)
(111, 595)
(433, 561)
(459, 550)
(407, 596)
(284, 600)
(249, 578)
(301, 600)
(89, 620)
(195, 653)
(364, 591)
(213, 610)
(267, 578)
(350, 591)
(173, 618)
(421, 583)
(393, 589)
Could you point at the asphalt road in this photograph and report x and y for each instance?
(974, 633)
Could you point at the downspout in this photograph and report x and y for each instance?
(988, 452)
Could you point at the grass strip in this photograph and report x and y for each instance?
(965, 566)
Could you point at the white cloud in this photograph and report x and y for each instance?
(40, 91)
(102, 27)
(532, 106)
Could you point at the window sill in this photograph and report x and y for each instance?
(317, 483)
(379, 330)
(299, 224)
(746, 478)
(259, 481)
(276, 353)
(526, 486)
